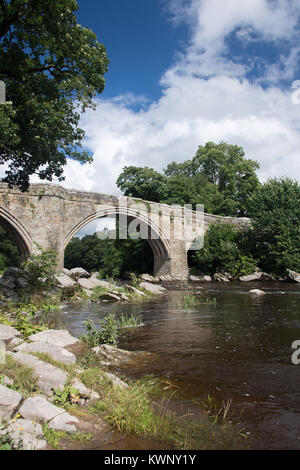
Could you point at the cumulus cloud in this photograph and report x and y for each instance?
(206, 96)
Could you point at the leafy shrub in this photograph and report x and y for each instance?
(40, 270)
(107, 334)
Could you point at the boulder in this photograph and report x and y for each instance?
(9, 402)
(116, 356)
(110, 297)
(193, 278)
(116, 381)
(166, 278)
(154, 289)
(83, 390)
(148, 278)
(219, 277)
(64, 422)
(207, 278)
(7, 333)
(48, 376)
(292, 276)
(64, 281)
(256, 292)
(91, 283)
(257, 276)
(25, 434)
(134, 289)
(78, 273)
(38, 408)
(61, 338)
(56, 352)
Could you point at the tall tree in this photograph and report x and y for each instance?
(52, 67)
(142, 183)
(275, 210)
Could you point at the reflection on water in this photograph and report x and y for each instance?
(239, 347)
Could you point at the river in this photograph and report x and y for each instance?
(238, 347)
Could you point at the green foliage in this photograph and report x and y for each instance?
(107, 334)
(218, 176)
(129, 321)
(24, 320)
(191, 301)
(52, 67)
(40, 270)
(109, 257)
(23, 380)
(6, 442)
(9, 253)
(67, 395)
(222, 252)
(141, 183)
(275, 238)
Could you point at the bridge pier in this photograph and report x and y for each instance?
(175, 264)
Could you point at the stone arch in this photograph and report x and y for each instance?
(160, 245)
(15, 228)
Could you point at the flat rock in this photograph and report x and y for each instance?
(26, 434)
(78, 273)
(63, 280)
(40, 409)
(293, 276)
(48, 376)
(116, 355)
(90, 283)
(134, 289)
(16, 341)
(193, 278)
(116, 381)
(153, 288)
(60, 338)
(257, 276)
(56, 352)
(148, 278)
(64, 422)
(83, 390)
(110, 297)
(256, 292)
(8, 332)
(207, 278)
(220, 277)
(9, 402)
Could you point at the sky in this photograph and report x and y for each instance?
(185, 72)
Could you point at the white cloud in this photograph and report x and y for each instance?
(205, 96)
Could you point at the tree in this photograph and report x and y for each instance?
(275, 211)
(52, 67)
(222, 252)
(234, 175)
(144, 183)
(9, 253)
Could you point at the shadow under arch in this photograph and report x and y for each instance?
(17, 230)
(159, 244)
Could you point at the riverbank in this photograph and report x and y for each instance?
(54, 388)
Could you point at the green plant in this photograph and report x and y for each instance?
(24, 320)
(192, 301)
(107, 334)
(67, 395)
(128, 321)
(6, 442)
(40, 269)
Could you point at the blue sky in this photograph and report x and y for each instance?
(140, 39)
(185, 72)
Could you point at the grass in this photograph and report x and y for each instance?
(53, 436)
(22, 376)
(129, 321)
(191, 301)
(132, 411)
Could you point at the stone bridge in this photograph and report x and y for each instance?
(49, 216)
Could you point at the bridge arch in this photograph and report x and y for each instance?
(159, 244)
(20, 234)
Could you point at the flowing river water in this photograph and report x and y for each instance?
(238, 347)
